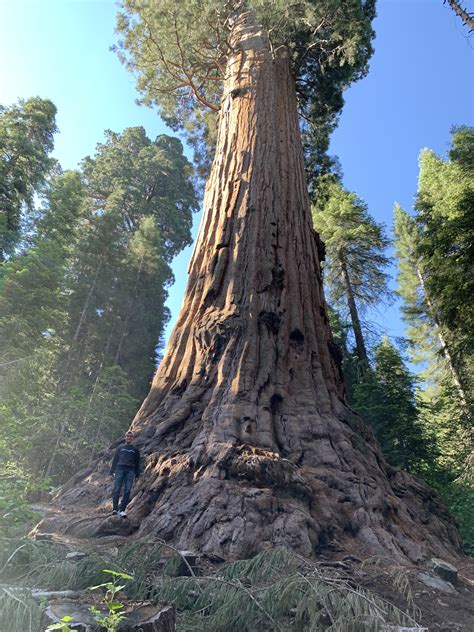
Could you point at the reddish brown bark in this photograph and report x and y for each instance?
(250, 443)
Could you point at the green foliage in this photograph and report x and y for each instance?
(15, 511)
(445, 220)
(115, 614)
(19, 612)
(180, 62)
(62, 625)
(355, 263)
(459, 498)
(353, 241)
(26, 140)
(435, 255)
(386, 399)
(83, 307)
(275, 590)
(435, 280)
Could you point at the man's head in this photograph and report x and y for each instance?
(129, 436)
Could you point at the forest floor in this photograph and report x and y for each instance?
(435, 604)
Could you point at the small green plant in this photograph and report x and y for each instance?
(62, 625)
(115, 609)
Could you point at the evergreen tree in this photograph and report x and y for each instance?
(83, 306)
(33, 321)
(355, 261)
(435, 255)
(445, 219)
(386, 398)
(26, 140)
(435, 281)
(32, 284)
(140, 204)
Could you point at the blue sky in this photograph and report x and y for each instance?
(420, 84)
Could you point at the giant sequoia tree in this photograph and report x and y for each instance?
(248, 439)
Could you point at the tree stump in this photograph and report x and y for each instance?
(143, 618)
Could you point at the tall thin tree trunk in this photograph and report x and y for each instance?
(54, 451)
(356, 326)
(85, 307)
(248, 439)
(443, 342)
(132, 298)
(66, 378)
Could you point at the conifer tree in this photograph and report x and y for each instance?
(355, 261)
(434, 251)
(33, 322)
(83, 307)
(26, 140)
(180, 62)
(140, 204)
(386, 398)
(435, 280)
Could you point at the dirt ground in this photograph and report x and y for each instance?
(448, 607)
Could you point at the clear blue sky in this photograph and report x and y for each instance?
(420, 84)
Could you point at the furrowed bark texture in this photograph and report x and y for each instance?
(248, 438)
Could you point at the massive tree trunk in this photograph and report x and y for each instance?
(249, 441)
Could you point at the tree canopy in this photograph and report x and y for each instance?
(26, 140)
(178, 53)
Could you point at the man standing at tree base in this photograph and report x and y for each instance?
(125, 467)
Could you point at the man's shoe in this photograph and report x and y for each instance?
(123, 514)
(114, 512)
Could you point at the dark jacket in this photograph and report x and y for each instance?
(126, 457)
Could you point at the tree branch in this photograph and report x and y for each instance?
(466, 17)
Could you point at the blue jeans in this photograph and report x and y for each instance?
(122, 477)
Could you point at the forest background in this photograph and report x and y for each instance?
(70, 386)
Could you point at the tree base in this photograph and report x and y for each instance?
(248, 500)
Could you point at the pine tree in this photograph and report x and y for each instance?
(445, 219)
(33, 283)
(386, 398)
(26, 140)
(33, 321)
(355, 261)
(83, 306)
(140, 204)
(434, 250)
(248, 439)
